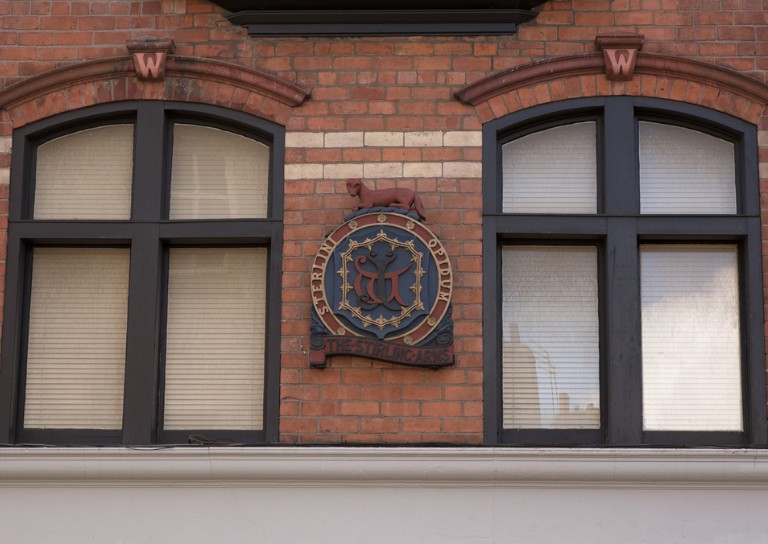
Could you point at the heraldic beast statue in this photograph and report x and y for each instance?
(396, 198)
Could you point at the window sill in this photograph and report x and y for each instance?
(392, 467)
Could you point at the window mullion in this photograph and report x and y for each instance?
(550, 226)
(141, 359)
(273, 332)
(149, 163)
(623, 371)
(754, 328)
(622, 324)
(702, 227)
(12, 338)
(492, 390)
(141, 365)
(621, 180)
(245, 231)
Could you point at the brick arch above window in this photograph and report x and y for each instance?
(582, 76)
(186, 80)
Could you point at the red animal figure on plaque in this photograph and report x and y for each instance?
(395, 198)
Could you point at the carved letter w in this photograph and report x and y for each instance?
(150, 65)
(621, 63)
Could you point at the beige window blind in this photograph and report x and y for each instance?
(691, 346)
(217, 174)
(85, 175)
(551, 171)
(684, 171)
(550, 351)
(77, 335)
(215, 338)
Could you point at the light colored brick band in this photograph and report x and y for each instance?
(388, 170)
(383, 139)
(5, 144)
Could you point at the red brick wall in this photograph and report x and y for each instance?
(382, 108)
(36, 36)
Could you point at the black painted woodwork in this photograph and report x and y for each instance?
(148, 234)
(617, 230)
(379, 17)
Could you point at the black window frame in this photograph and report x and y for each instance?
(148, 234)
(617, 230)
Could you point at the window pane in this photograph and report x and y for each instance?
(85, 175)
(685, 171)
(691, 349)
(552, 171)
(215, 338)
(551, 350)
(77, 334)
(217, 174)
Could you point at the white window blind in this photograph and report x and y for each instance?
(550, 337)
(215, 338)
(85, 175)
(690, 330)
(551, 171)
(684, 171)
(77, 335)
(217, 174)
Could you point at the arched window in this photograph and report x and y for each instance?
(143, 277)
(623, 272)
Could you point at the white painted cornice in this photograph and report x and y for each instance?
(393, 467)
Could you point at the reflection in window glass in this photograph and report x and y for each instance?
(691, 347)
(685, 171)
(215, 338)
(77, 331)
(551, 171)
(550, 337)
(217, 174)
(85, 175)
